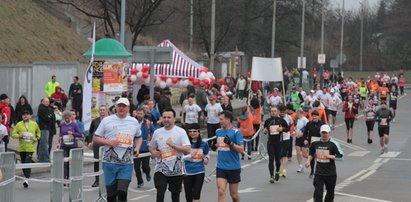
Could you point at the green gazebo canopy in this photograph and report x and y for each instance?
(108, 48)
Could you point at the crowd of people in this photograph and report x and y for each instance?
(299, 119)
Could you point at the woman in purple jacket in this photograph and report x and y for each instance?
(69, 131)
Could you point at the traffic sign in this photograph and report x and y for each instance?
(299, 62)
(321, 58)
(333, 63)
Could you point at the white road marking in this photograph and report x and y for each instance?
(142, 191)
(245, 166)
(377, 160)
(355, 175)
(351, 146)
(366, 175)
(248, 190)
(401, 159)
(358, 153)
(385, 160)
(361, 197)
(140, 197)
(390, 154)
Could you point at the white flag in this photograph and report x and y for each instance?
(88, 86)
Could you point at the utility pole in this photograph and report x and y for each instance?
(342, 37)
(212, 48)
(302, 44)
(362, 35)
(322, 41)
(191, 24)
(122, 21)
(273, 32)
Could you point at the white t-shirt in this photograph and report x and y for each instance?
(212, 113)
(311, 99)
(191, 112)
(171, 162)
(3, 132)
(289, 120)
(124, 130)
(303, 93)
(274, 100)
(333, 102)
(305, 75)
(301, 123)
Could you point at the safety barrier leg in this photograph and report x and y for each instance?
(76, 175)
(8, 170)
(57, 172)
(102, 183)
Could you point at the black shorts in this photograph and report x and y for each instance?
(370, 125)
(383, 130)
(393, 105)
(232, 176)
(383, 98)
(349, 123)
(299, 142)
(332, 112)
(285, 148)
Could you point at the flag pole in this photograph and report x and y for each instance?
(87, 89)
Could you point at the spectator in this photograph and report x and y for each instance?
(184, 95)
(47, 124)
(21, 106)
(5, 113)
(201, 97)
(60, 98)
(140, 95)
(241, 84)
(3, 134)
(51, 86)
(165, 102)
(76, 96)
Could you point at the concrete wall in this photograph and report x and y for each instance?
(30, 80)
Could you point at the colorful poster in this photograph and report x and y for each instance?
(113, 76)
(98, 76)
(98, 99)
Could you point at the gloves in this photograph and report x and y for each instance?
(227, 140)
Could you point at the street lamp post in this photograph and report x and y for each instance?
(212, 35)
(342, 38)
(302, 43)
(362, 35)
(191, 24)
(273, 32)
(322, 41)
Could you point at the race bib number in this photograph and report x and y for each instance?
(274, 130)
(286, 136)
(370, 115)
(313, 139)
(321, 154)
(221, 145)
(168, 153)
(393, 98)
(192, 116)
(125, 140)
(197, 155)
(384, 122)
(362, 92)
(27, 137)
(68, 139)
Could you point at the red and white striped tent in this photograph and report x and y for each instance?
(181, 67)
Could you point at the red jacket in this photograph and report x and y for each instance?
(5, 112)
(350, 113)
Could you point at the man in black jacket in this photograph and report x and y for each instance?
(165, 102)
(76, 96)
(47, 124)
(312, 133)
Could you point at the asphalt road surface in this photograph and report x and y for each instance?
(363, 176)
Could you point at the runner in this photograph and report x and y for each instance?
(117, 133)
(369, 113)
(168, 146)
(312, 133)
(194, 164)
(383, 90)
(320, 110)
(286, 141)
(325, 151)
(351, 110)
(191, 111)
(300, 149)
(28, 133)
(3, 134)
(212, 110)
(393, 101)
(147, 129)
(383, 116)
(333, 102)
(230, 144)
(274, 126)
(362, 92)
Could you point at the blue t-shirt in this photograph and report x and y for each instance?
(145, 133)
(228, 159)
(195, 165)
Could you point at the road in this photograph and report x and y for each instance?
(363, 176)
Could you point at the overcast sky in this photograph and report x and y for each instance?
(354, 4)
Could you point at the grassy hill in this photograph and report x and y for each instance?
(28, 33)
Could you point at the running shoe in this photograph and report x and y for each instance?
(26, 184)
(140, 185)
(95, 184)
(281, 173)
(300, 169)
(385, 149)
(382, 151)
(277, 176)
(148, 178)
(284, 173)
(272, 180)
(369, 141)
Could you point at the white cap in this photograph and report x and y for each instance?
(325, 128)
(312, 91)
(123, 100)
(332, 90)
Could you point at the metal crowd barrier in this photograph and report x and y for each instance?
(8, 171)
